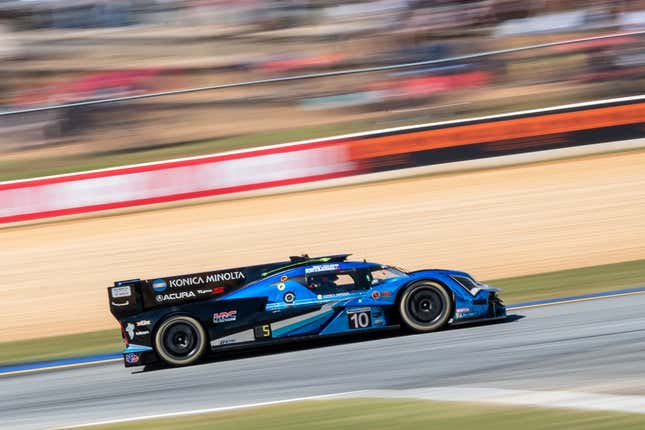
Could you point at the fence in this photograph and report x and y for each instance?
(310, 162)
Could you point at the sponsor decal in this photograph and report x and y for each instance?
(129, 329)
(142, 333)
(200, 280)
(131, 358)
(289, 297)
(126, 303)
(386, 294)
(239, 337)
(331, 296)
(175, 296)
(159, 285)
(204, 291)
(321, 268)
(464, 312)
(143, 323)
(358, 310)
(281, 286)
(226, 316)
(118, 292)
(284, 278)
(218, 290)
(376, 295)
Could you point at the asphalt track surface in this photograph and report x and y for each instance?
(594, 346)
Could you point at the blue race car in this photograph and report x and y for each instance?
(178, 319)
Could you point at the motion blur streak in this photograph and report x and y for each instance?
(549, 399)
(90, 361)
(519, 220)
(325, 74)
(302, 67)
(428, 61)
(532, 353)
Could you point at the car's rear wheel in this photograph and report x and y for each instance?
(180, 340)
(425, 306)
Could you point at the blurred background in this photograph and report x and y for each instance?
(539, 229)
(55, 51)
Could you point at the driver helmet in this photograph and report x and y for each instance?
(329, 277)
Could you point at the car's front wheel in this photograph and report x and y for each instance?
(180, 340)
(425, 306)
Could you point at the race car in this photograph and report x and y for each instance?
(179, 319)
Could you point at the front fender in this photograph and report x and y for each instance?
(434, 279)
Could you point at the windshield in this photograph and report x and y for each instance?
(383, 273)
(402, 270)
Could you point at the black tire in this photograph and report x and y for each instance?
(180, 340)
(425, 306)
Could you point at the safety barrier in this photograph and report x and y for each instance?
(268, 168)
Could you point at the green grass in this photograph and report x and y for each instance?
(399, 414)
(51, 348)
(514, 290)
(564, 283)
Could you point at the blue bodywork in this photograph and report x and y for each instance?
(330, 316)
(315, 297)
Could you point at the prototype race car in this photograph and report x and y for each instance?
(179, 319)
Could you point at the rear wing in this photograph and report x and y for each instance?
(125, 298)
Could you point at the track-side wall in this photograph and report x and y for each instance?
(312, 162)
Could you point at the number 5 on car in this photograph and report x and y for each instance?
(262, 331)
(178, 320)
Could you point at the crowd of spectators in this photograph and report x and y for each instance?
(370, 15)
(65, 51)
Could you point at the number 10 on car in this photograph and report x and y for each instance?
(359, 318)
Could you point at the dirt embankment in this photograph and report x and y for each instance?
(493, 223)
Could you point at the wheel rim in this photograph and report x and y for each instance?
(425, 306)
(181, 340)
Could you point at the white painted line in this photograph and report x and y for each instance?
(434, 169)
(203, 411)
(60, 366)
(347, 136)
(546, 399)
(509, 308)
